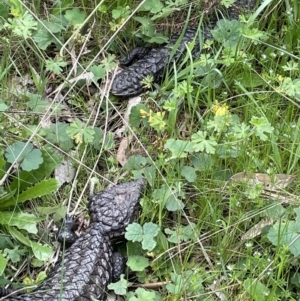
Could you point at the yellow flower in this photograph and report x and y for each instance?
(145, 114)
(280, 78)
(220, 109)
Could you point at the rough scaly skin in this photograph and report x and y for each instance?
(154, 62)
(86, 267)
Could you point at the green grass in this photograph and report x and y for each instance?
(217, 141)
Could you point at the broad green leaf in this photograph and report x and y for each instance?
(154, 6)
(20, 220)
(59, 211)
(189, 173)
(136, 162)
(28, 157)
(43, 38)
(75, 16)
(98, 142)
(257, 290)
(3, 10)
(61, 6)
(36, 104)
(57, 135)
(3, 263)
(54, 27)
(19, 236)
(41, 252)
(158, 38)
(40, 189)
(3, 106)
(179, 148)
(135, 115)
(202, 161)
(147, 26)
(227, 32)
(41, 277)
(26, 179)
(143, 295)
(286, 233)
(137, 263)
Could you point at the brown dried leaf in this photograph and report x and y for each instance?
(122, 150)
(256, 229)
(273, 183)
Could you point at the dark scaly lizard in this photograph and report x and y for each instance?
(153, 61)
(87, 265)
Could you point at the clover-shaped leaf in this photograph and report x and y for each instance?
(28, 157)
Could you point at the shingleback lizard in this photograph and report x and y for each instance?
(87, 266)
(153, 61)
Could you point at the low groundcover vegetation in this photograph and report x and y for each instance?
(218, 141)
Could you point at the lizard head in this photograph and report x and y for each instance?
(127, 84)
(113, 208)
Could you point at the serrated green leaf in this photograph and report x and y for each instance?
(55, 66)
(145, 234)
(137, 263)
(40, 189)
(201, 143)
(179, 148)
(134, 232)
(261, 126)
(98, 142)
(43, 38)
(98, 72)
(227, 32)
(80, 133)
(19, 236)
(59, 211)
(120, 287)
(14, 254)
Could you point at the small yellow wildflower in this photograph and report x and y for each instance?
(280, 78)
(220, 109)
(144, 114)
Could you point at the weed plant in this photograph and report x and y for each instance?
(217, 141)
